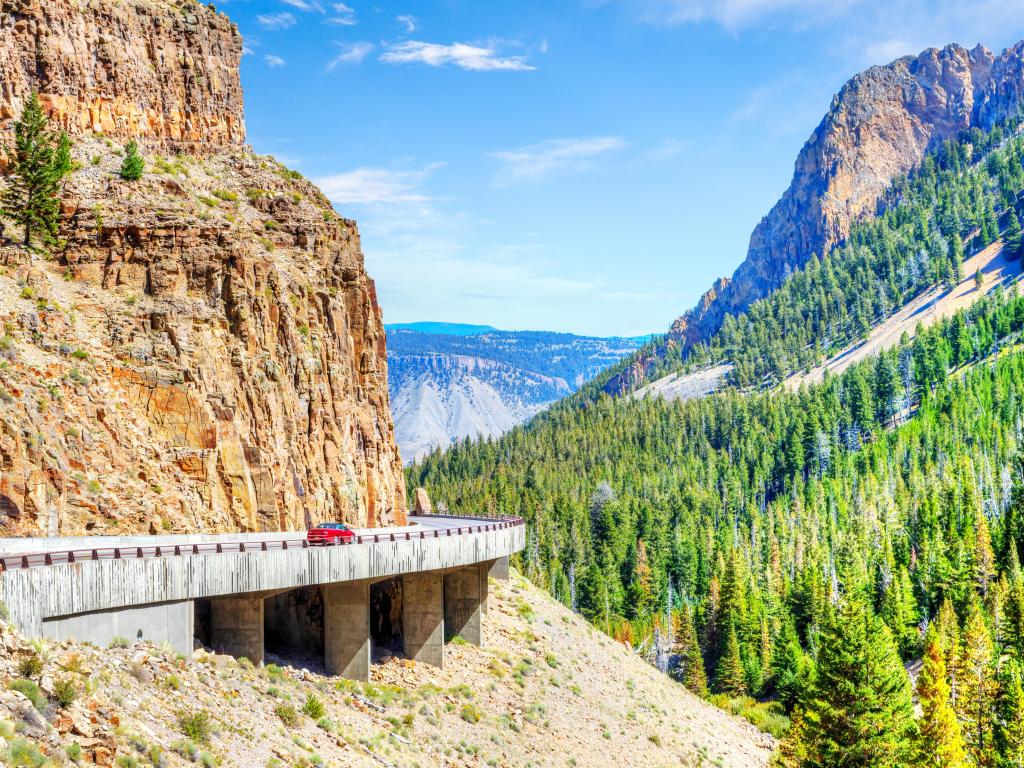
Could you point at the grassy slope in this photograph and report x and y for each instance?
(545, 690)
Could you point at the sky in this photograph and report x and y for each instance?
(588, 166)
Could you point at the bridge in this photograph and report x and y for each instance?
(404, 590)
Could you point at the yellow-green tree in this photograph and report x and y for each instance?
(940, 742)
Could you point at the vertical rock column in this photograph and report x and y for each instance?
(347, 629)
(423, 617)
(464, 595)
(236, 626)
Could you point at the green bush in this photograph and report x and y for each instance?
(313, 707)
(195, 724)
(65, 692)
(30, 690)
(73, 751)
(287, 714)
(471, 713)
(23, 754)
(30, 666)
(119, 642)
(126, 761)
(133, 166)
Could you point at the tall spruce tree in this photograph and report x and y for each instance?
(730, 677)
(1009, 716)
(38, 161)
(940, 742)
(977, 693)
(859, 712)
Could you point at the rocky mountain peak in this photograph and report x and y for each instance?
(879, 126)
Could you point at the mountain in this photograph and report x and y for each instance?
(446, 386)
(879, 127)
(824, 476)
(450, 329)
(203, 349)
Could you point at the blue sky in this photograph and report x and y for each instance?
(574, 165)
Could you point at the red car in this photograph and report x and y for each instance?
(330, 533)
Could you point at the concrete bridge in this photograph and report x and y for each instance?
(403, 590)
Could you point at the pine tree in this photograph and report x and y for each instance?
(1009, 717)
(133, 166)
(1013, 235)
(730, 677)
(977, 694)
(940, 742)
(948, 629)
(39, 160)
(690, 671)
(984, 557)
(859, 712)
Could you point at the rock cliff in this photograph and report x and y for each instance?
(879, 126)
(204, 350)
(160, 71)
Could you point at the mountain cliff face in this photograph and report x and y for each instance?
(879, 126)
(160, 71)
(446, 386)
(204, 350)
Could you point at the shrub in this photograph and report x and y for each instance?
(30, 690)
(287, 714)
(73, 751)
(126, 761)
(471, 713)
(119, 642)
(195, 724)
(24, 754)
(65, 692)
(133, 166)
(30, 666)
(457, 640)
(186, 749)
(313, 707)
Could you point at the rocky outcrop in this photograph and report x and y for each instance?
(204, 350)
(879, 126)
(161, 71)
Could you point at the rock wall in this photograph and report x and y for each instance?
(204, 351)
(162, 71)
(880, 125)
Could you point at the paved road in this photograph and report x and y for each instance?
(34, 552)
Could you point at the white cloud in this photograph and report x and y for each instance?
(538, 161)
(344, 16)
(409, 22)
(305, 5)
(351, 53)
(371, 186)
(276, 22)
(273, 61)
(477, 58)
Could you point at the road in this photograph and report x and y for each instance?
(34, 552)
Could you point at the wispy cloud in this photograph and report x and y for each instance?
(275, 22)
(484, 57)
(539, 161)
(371, 186)
(274, 61)
(409, 22)
(732, 14)
(307, 6)
(351, 53)
(344, 16)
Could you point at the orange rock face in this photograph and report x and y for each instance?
(162, 72)
(204, 350)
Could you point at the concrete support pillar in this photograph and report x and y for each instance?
(484, 570)
(347, 629)
(423, 617)
(499, 569)
(157, 623)
(236, 626)
(462, 604)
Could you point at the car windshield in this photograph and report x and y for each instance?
(332, 525)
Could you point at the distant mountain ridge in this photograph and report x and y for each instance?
(448, 329)
(448, 385)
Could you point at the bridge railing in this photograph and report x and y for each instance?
(63, 557)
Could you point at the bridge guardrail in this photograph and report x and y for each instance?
(64, 557)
